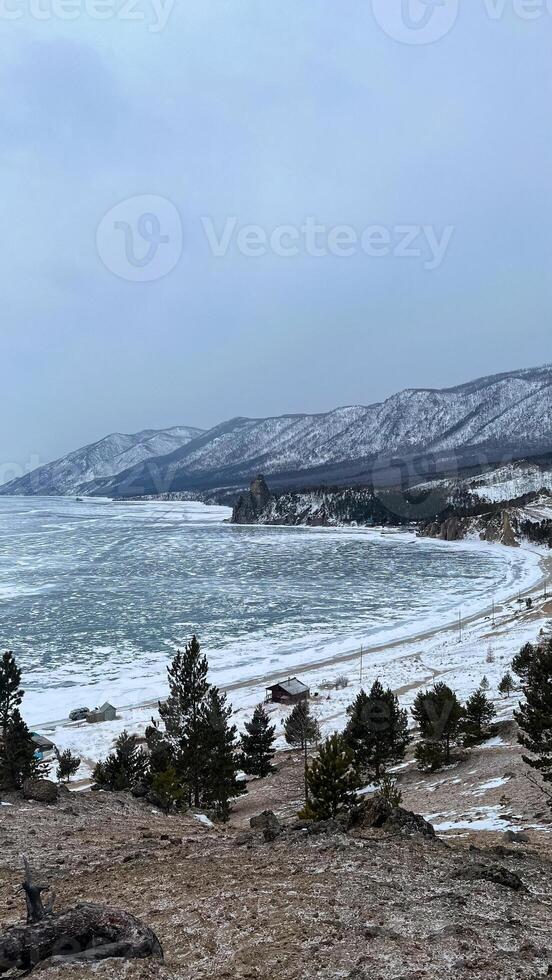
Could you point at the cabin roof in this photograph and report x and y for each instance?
(292, 686)
(42, 741)
(106, 706)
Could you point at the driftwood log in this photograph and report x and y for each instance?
(86, 933)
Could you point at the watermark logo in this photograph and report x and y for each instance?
(140, 239)
(154, 13)
(416, 21)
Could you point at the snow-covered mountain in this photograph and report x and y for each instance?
(494, 419)
(100, 461)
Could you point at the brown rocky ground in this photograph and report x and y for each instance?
(358, 906)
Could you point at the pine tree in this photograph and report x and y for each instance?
(438, 714)
(221, 761)
(484, 685)
(332, 781)
(430, 755)
(67, 765)
(506, 685)
(17, 750)
(168, 790)
(377, 731)
(479, 713)
(534, 717)
(162, 755)
(18, 760)
(183, 714)
(301, 727)
(522, 661)
(124, 767)
(258, 744)
(390, 792)
(11, 694)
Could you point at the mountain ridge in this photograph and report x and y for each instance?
(491, 419)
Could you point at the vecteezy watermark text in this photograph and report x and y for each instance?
(154, 13)
(311, 238)
(141, 239)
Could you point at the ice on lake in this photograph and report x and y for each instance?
(95, 596)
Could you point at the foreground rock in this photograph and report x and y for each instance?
(40, 790)
(377, 813)
(268, 822)
(492, 872)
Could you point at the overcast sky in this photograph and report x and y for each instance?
(271, 114)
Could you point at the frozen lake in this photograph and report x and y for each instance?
(95, 596)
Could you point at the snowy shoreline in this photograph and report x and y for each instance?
(520, 571)
(405, 662)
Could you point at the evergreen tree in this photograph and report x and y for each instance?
(534, 717)
(506, 685)
(67, 765)
(479, 713)
(523, 660)
(124, 767)
(183, 714)
(258, 744)
(11, 694)
(438, 714)
(161, 751)
(390, 792)
(430, 755)
(18, 760)
(377, 731)
(301, 727)
(168, 790)
(484, 685)
(332, 781)
(221, 761)
(17, 750)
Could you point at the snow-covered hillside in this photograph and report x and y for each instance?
(101, 460)
(510, 482)
(508, 414)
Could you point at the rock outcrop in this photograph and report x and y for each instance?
(268, 822)
(377, 812)
(452, 529)
(251, 505)
(494, 873)
(40, 790)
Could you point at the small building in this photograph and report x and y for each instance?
(106, 713)
(43, 745)
(288, 692)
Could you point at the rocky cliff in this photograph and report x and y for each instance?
(252, 505)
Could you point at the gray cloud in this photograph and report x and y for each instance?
(271, 113)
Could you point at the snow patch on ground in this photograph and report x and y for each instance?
(201, 818)
(485, 787)
(481, 818)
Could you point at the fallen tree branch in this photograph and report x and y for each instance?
(86, 933)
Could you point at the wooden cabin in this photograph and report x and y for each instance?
(288, 692)
(106, 713)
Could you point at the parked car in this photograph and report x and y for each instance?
(79, 714)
